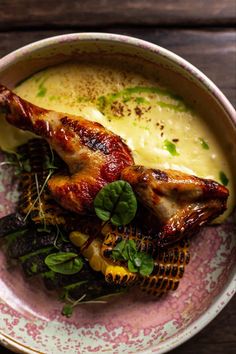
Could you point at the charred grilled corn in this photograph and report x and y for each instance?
(115, 234)
(113, 273)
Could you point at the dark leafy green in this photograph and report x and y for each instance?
(67, 310)
(137, 261)
(223, 178)
(204, 144)
(64, 262)
(146, 265)
(116, 202)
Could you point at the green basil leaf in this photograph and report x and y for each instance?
(116, 202)
(147, 264)
(132, 268)
(64, 262)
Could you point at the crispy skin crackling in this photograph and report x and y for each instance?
(182, 203)
(94, 155)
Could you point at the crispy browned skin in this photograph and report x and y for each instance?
(182, 203)
(94, 155)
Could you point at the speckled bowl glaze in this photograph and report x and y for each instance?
(30, 319)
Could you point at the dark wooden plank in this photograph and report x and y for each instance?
(218, 337)
(74, 13)
(212, 51)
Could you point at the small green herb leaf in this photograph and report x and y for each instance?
(140, 100)
(130, 250)
(137, 261)
(117, 252)
(42, 91)
(132, 267)
(101, 103)
(116, 202)
(170, 147)
(64, 262)
(147, 265)
(67, 310)
(223, 178)
(204, 144)
(124, 250)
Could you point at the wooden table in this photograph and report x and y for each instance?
(201, 31)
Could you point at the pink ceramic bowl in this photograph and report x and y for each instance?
(30, 319)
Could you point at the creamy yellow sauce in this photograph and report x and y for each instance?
(160, 129)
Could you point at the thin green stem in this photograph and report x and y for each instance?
(39, 194)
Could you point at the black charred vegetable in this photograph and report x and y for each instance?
(168, 270)
(90, 289)
(35, 264)
(115, 234)
(54, 280)
(35, 201)
(31, 241)
(12, 223)
(44, 225)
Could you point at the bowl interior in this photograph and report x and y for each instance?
(132, 323)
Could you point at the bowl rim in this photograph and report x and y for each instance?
(230, 288)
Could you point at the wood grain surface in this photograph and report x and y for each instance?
(200, 31)
(75, 13)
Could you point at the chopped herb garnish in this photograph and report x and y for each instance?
(116, 202)
(137, 261)
(101, 103)
(204, 144)
(42, 91)
(170, 147)
(131, 92)
(82, 99)
(140, 100)
(223, 178)
(126, 99)
(179, 107)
